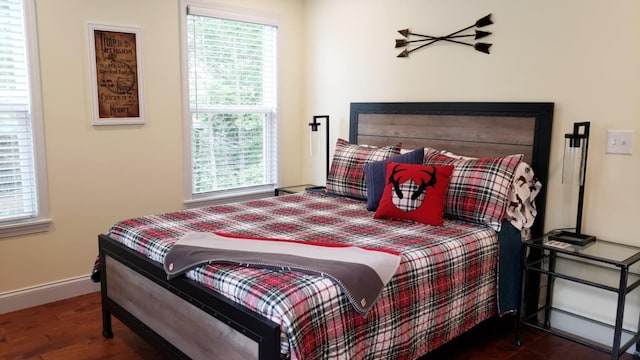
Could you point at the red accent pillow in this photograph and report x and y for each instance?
(414, 192)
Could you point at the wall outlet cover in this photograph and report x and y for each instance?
(619, 142)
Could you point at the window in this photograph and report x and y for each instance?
(230, 61)
(23, 201)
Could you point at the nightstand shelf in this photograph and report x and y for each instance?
(294, 189)
(594, 258)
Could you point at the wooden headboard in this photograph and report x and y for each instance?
(466, 128)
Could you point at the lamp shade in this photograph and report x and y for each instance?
(574, 160)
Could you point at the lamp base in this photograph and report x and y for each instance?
(572, 238)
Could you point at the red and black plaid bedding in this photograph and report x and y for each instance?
(445, 284)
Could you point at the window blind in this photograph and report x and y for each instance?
(18, 198)
(232, 99)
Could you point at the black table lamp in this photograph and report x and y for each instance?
(574, 171)
(314, 127)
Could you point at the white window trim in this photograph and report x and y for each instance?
(232, 13)
(42, 222)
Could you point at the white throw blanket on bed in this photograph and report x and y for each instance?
(522, 211)
(361, 273)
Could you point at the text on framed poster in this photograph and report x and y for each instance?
(117, 72)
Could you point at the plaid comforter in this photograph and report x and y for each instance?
(445, 284)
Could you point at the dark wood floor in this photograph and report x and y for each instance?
(71, 329)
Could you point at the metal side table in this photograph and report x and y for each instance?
(595, 257)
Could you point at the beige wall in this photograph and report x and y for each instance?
(582, 55)
(98, 175)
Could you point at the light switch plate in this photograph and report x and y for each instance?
(619, 142)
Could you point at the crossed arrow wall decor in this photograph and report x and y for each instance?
(428, 39)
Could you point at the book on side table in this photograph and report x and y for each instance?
(572, 238)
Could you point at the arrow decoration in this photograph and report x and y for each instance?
(426, 40)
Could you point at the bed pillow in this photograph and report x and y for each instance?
(414, 192)
(521, 207)
(346, 175)
(479, 187)
(456, 156)
(375, 174)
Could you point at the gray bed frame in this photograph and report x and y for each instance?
(196, 322)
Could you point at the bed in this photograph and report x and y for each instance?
(240, 312)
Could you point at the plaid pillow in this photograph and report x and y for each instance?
(346, 176)
(478, 188)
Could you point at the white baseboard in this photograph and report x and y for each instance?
(43, 294)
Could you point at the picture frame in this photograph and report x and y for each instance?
(116, 74)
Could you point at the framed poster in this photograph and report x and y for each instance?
(116, 75)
